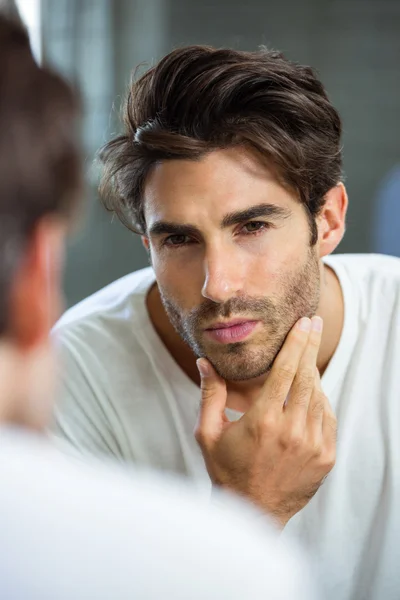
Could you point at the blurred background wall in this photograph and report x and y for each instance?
(354, 44)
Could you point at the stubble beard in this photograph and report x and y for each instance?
(240, 361)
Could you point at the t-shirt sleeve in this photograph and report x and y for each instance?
(81, 417)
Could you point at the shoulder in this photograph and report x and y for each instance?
(103, 330)
(367, 269)
(371, 281)
(106, 313)
(110, 300)
(366, 264)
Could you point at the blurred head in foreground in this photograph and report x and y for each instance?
(40, 185)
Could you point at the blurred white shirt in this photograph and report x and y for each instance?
(71, 531)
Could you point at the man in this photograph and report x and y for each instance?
(229, 166)
(74, 531)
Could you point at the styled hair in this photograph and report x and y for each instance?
(40, 162)
(199, 99)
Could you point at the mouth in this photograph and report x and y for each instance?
(229, 332)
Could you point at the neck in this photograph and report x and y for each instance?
(8, 380)
(331, 309)
(18, 406)
(242, 393)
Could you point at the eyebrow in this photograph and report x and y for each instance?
(253, 212)
(235, 218)
(165, 227)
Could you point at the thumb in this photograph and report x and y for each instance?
(213, 401)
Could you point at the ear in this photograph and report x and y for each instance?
(146, 243)
(36, 298)
(331, 222)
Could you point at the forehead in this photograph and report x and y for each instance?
(218, 183)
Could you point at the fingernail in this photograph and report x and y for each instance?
(316, 324)
(304, 324)
(203, 368)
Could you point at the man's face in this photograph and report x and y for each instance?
(231, 251)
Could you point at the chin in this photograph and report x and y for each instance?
(241, 373)
(252, 364)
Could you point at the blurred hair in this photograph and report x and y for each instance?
(40, 166)
(199, 99)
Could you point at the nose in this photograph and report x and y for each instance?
(223, 275)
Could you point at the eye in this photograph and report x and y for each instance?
(255, 227)
(176, 240)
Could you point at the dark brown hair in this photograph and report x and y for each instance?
(40, 166)
(199, 99)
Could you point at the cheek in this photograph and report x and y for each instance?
(178, 281)
(263, 276)
(269, 263)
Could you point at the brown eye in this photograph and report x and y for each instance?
(176, 240)
(254, 226)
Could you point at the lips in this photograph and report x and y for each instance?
(230, 332)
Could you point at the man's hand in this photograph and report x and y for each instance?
(278, 453)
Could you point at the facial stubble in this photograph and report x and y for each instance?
(298, 297)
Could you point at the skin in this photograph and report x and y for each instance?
(27, 365)
(283, 447)
(216, 266)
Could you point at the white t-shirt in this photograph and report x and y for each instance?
(73, 531)
(124, 395)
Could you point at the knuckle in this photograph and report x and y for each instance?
(276, 388)
(302, 389)
(296, 441)
(329, 460)
(300, 399)
(316, 450)
(207, 397)
(267, 425)
(314, 340)
(306, 379)
(331, 422)
(200, 436)
(317, 407)
(292, 440)
(206, 391)
(285, 372)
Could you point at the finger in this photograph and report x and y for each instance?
(329, 424)
(315, 413)
(212, 405)
(284, 368)
(328, 410)
(303, 391)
